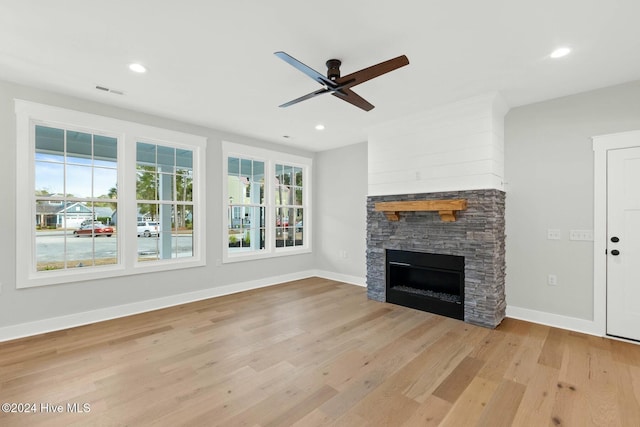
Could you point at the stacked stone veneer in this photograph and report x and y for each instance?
(478, 235)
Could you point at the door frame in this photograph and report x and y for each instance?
(601, 145)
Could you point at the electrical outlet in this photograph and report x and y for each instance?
(553, 234)
(552, 280)
(585, 235)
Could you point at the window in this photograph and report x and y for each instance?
(266, 195)
(164, 194)
(90, 185)
(76, 175)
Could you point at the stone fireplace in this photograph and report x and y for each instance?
(477, 235)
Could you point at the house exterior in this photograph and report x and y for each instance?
(54, 214)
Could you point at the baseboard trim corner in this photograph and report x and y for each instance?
(339, 277)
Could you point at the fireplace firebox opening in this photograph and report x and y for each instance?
(426, 281)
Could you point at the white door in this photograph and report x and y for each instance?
(623, 243)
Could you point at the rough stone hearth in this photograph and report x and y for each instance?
(478, 235)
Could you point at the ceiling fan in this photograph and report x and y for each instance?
(340, 87)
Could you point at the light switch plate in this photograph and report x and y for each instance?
(585, 235)
(553, 234)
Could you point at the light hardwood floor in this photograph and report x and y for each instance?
(317, 352)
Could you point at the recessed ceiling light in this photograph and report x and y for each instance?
(138, 68)
(319, 127)
(560, 52)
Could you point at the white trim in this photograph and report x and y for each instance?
(601, 145)
(339, 277)
(555, 320)
(270, 158)
(128, 133)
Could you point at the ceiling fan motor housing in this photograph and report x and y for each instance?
(333, 69)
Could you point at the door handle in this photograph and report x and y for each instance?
(615, 252)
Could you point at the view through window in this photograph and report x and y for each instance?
(94, 199)
(76, 176)
(267, 198)
(164, 194)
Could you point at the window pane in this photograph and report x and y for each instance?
(79, 148)
(288, 175)
(298, 177)
(284, 195)
(148, 212)
(104, 182)
(106, 247)
(184, 185)
(105, 151)
(78, 181)
(184, 159)
(146, 183)
(236, 189)
(258, 171)
(233, 166)
(50, 250)
(298, 196)
(146, 153)
(245, 168)
(299, 228)
(166, 158)
(181, 231)
(49, 144)
(49, 178)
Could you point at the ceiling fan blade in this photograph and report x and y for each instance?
(305, 97)
(320, 78)
(353, 98)
(369, 73)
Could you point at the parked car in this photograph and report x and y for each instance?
(284, 222)
(148, 228)
(94, 229)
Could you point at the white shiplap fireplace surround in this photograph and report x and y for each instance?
(453, 151)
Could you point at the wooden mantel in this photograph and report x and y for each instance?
(446, 208)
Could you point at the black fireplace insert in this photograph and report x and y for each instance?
(425, 281)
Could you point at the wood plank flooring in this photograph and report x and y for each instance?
(317, 352)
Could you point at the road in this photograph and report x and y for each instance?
(50, 247)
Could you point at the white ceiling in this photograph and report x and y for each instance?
(211, 63)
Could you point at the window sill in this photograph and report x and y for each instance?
(252, 256)
(34, 280)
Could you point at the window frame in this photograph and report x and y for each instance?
(270, 159)
(28, 115)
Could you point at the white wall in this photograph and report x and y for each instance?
(109, 297)
(549, 183)
(341, 214)
(458, 146)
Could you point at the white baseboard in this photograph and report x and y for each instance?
(555, 320)
(338, 277)
(78, 319)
